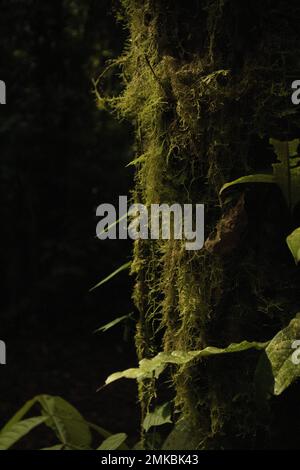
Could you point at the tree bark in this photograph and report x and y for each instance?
(207, 83)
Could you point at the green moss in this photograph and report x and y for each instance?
(200, 81)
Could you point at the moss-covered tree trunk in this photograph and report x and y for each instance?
(207, 83)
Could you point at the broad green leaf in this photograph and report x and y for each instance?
(19, 415)
(161, 415)
(286, 173)
(67, 423)
(276, 369)
(293, 242)
(155, 366)
(18, 430)
(112, 323)
(110, 276)
(113, 442)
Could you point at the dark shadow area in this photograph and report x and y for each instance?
(60, 158)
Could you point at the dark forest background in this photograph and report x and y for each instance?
(61, 157)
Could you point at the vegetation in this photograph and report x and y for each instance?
(206, 85)
(69, 427)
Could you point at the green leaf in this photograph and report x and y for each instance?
(286, 173)
(138, 160)
(161, 415)
(112, 323)
(103, 432)
(17, 430)
(67, 423)
(113, 442)
(259, 178)
(155, 366)
(110, 276)
(293, 242)
(19, 415)
(276, 369)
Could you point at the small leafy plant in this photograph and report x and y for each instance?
(286, 175)
(275, 362)
(72, 431)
